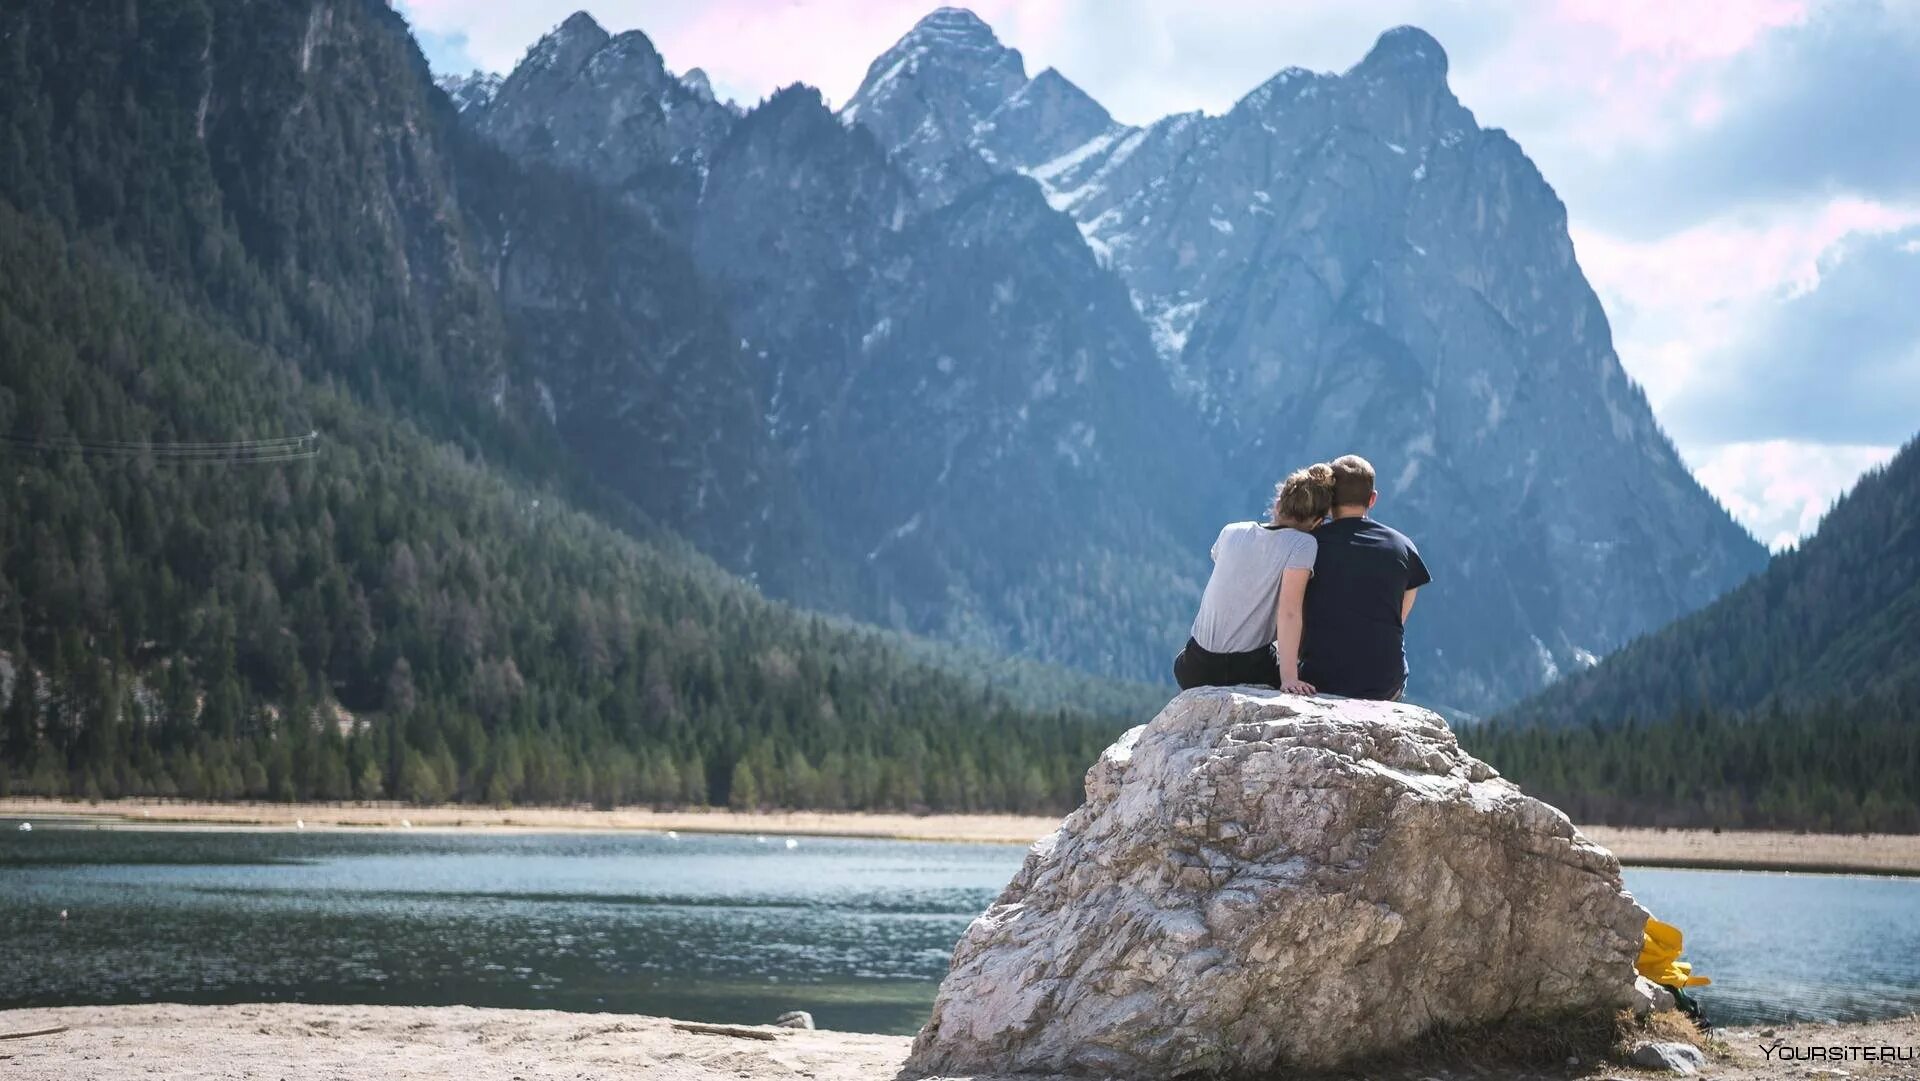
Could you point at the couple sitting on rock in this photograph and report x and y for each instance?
(1315, 600)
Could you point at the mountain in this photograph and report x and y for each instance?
(1833, 620)
(1340, 263)
(1350, 263)
(952, 390)
(474, 90)
(961, 387)
(925, 97)
(1793, 702)
(605, 106)
(228, 223)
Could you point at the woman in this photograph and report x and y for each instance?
(1248, 629)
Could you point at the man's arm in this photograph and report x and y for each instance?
(1406, 605)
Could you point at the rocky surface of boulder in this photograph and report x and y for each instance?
(1261, 881)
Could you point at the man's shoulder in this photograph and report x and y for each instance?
(1382, 529)
(1366, 535)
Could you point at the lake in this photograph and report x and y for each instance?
(716, 928)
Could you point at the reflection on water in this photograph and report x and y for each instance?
(709, 928)
(1786, 947)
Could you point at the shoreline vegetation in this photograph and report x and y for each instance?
(1733, 850)
(433, 1043)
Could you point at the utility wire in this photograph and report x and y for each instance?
(229, 452)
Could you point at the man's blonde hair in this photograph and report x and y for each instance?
(1305, 497)
(1352, 481)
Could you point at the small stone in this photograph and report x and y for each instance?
(1767, 1033)
(1680, 1058)
(794, 1019)
(1647, 997)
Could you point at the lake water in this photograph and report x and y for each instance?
(708, 927)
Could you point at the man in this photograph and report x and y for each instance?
(1361, 594)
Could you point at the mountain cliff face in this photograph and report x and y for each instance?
(1828, 625)
(524, 308)
(1350, 263)
(941, 382)
(1022, 359)
(605, 106)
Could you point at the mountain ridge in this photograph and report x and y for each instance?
(1829, 621)
(1339, 262)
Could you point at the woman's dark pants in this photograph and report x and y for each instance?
(1196, 667)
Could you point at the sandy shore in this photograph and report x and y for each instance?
(985, 829)
(1760, 850)
(292, 1042)
(1733, 849)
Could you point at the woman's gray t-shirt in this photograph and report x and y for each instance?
(1236, 611)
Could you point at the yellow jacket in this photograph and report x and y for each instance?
(1660, 957)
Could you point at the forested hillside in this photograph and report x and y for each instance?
(1792, 702)
(1835, 619)
(223, 221)
(1849, 765)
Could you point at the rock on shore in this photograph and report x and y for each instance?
(1263, 880)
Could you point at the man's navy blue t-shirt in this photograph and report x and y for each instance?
(1353, 642)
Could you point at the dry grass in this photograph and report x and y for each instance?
(1562, 1043)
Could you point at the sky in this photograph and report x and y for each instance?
(1742, 177)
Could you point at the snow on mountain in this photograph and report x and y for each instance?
(471, 92)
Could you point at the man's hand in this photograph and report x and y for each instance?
(1297, 686)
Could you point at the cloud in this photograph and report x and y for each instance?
(1788, 322)
(446, 52)
(1779, 489)
(1817, 107)
(1839, 363)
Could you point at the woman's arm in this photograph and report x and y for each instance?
(1287, 622)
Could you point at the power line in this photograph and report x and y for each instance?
(291, 448)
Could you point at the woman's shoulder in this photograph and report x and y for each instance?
(1282, 537)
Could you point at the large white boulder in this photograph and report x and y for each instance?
(1262, 880)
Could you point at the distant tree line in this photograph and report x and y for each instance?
(1850, 765)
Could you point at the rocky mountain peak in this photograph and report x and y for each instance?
(796, 110)
(473, 91)
(606, 106)
(1044, 119)
(631, 47)
(955, 27)
(949, 40)
(568, 45)
(696, 80)
(1408, 51)
(580, 23)
(927, 96)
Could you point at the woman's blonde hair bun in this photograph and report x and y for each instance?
(1305, 497)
